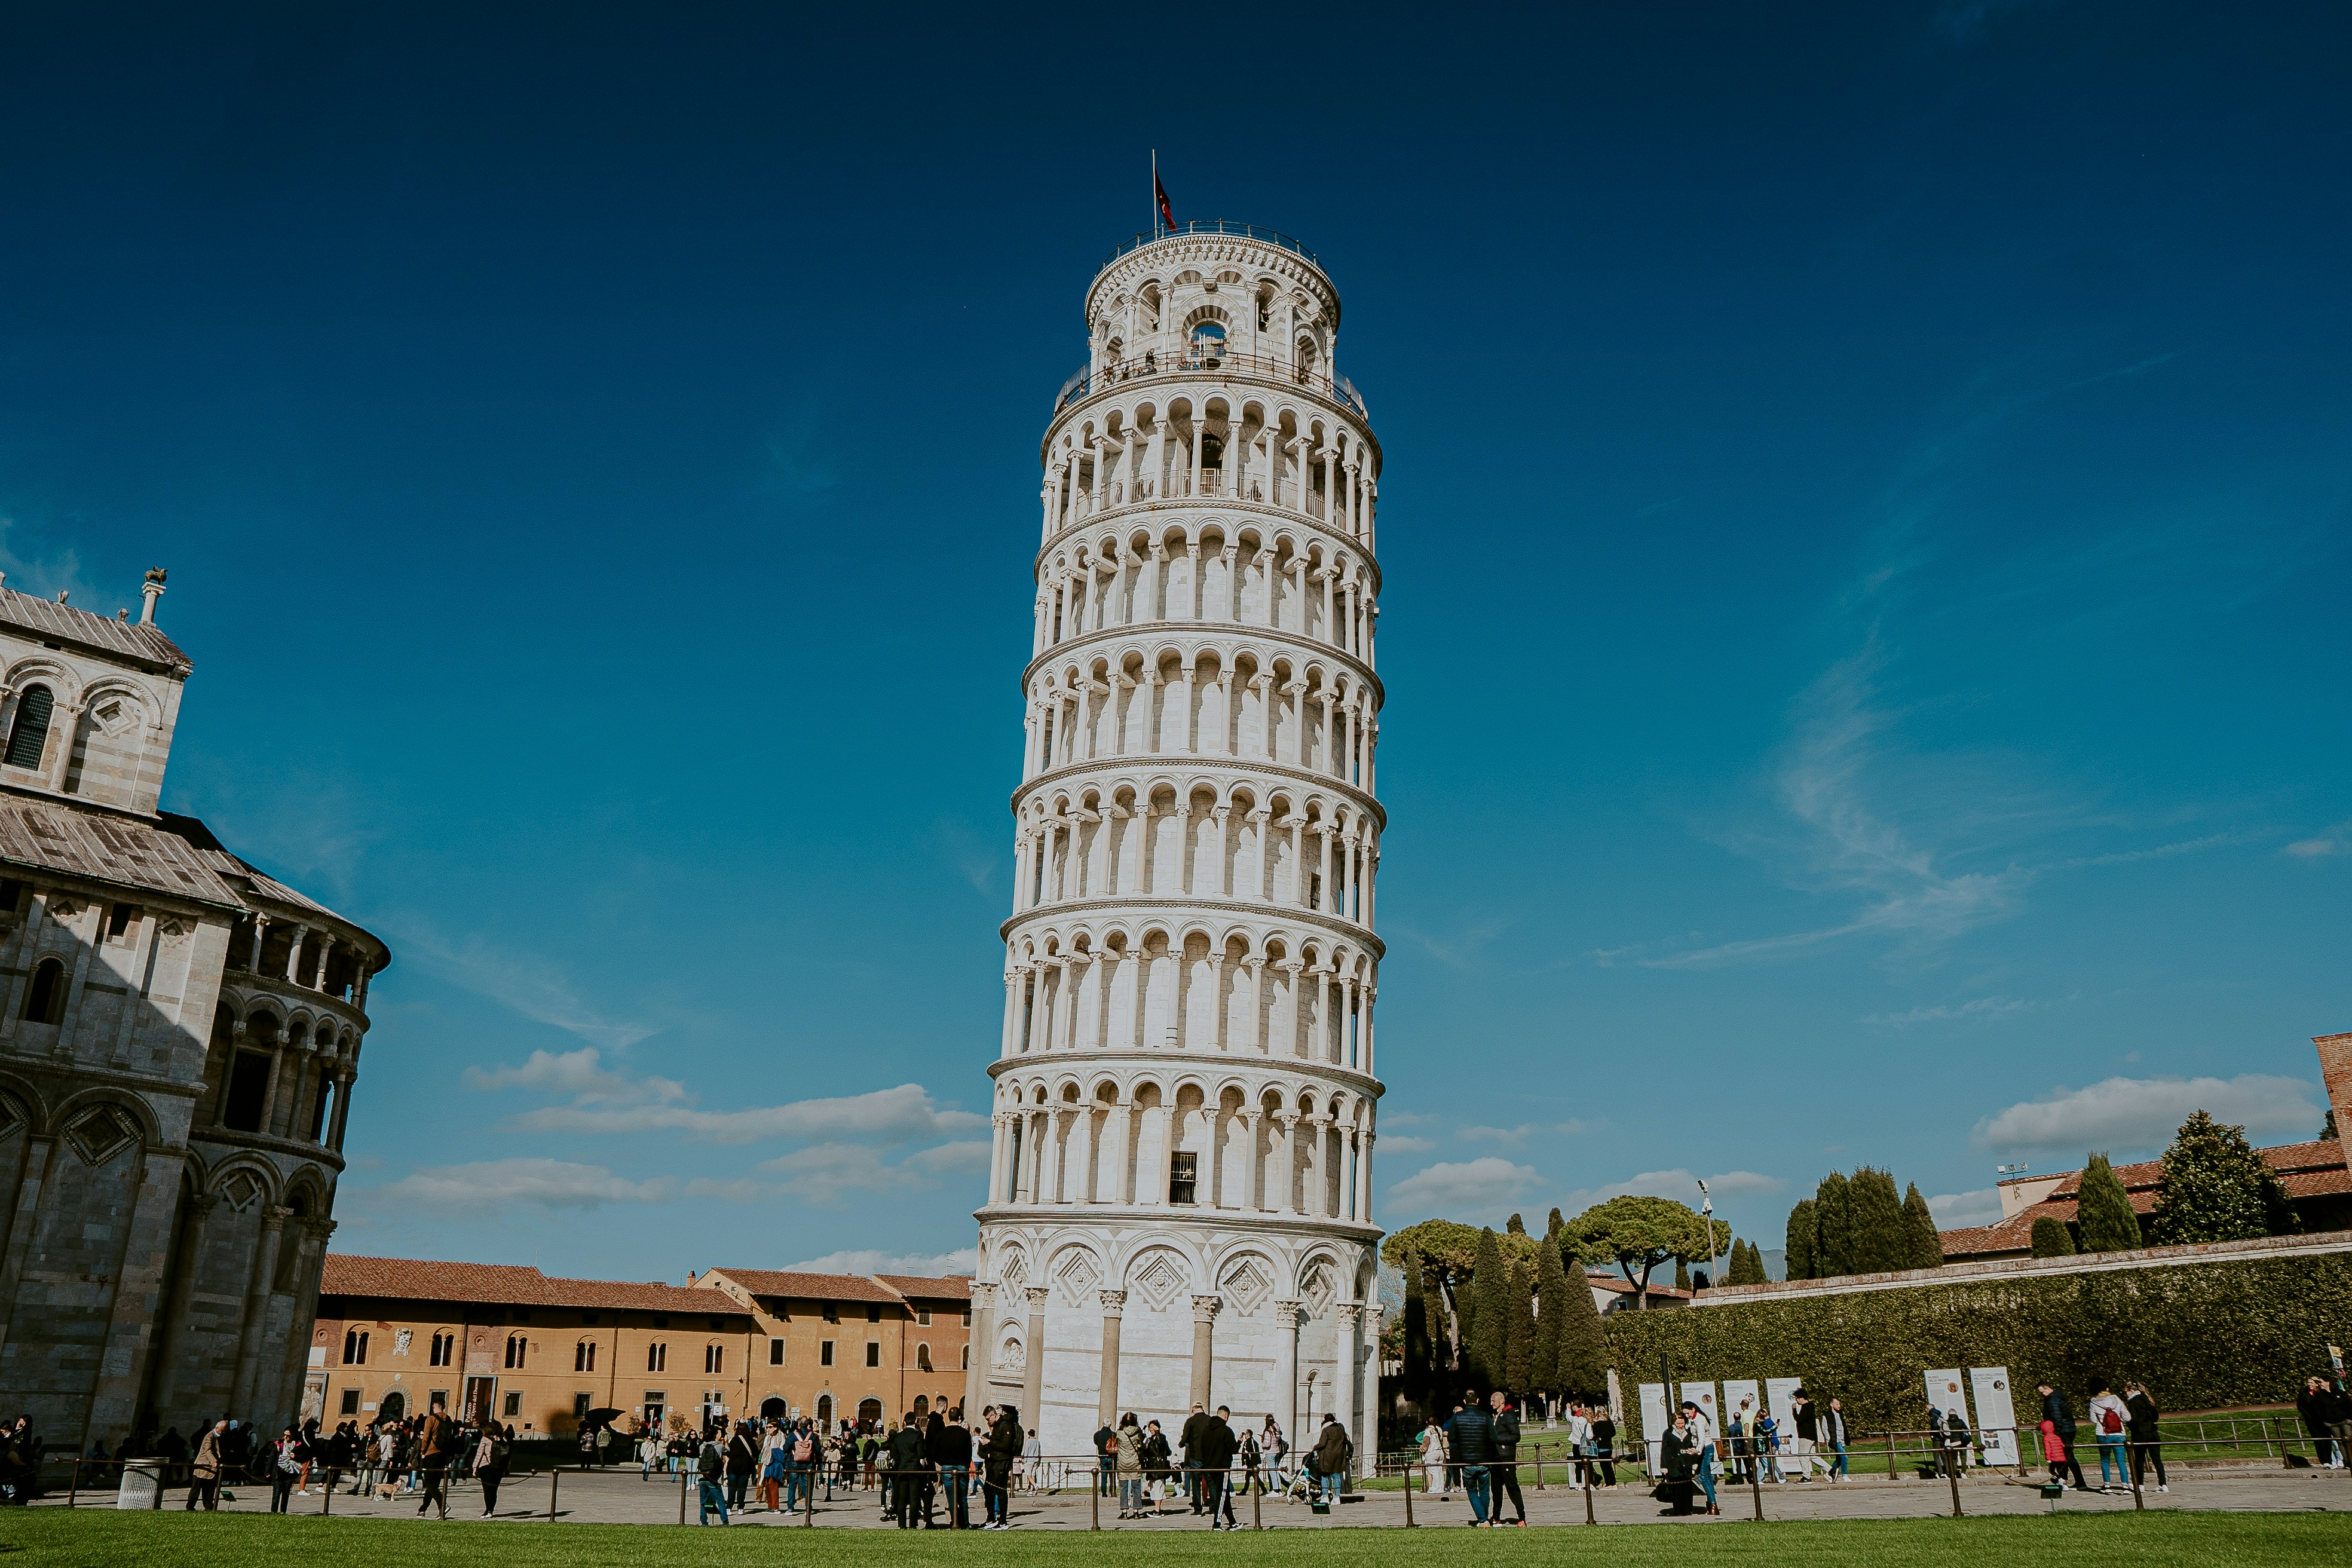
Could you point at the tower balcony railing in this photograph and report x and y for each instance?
(1199, 358)
(1258, 232)
(1184, 484)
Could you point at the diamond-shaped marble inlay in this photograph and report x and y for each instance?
(100, 1133)
(1161, 1281)
(1319, 1290)
(1075, 1276)
(1246, 1284)
(1014, 1273)
(240, 1190)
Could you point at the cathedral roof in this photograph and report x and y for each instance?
(127, 851)
(48, 619)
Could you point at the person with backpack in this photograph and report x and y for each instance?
(435, 1448)
(1003, 1447)
(2108, 1419)
(2145, 1438)
(491, 1458)
(709, 1477)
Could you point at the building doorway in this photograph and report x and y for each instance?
(869, 1413)
(393, 1408)
(771, 1408)
(824, 1411)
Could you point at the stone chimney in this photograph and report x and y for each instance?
(2336, 1070)
(150, 593)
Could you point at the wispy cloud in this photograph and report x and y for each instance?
(1480, 1189)
(501, 1185)
(1954, 1210)
(46, 572)
(2137, 1113)
(874, 1260)
(1680, 1185)
(2333, 840)
(1405, 1144)
(1511, 1137)
(579, 1074)
(1982, 1010)
(1455, 949)
(827, 1174)
(904, 1114)
(539, 988)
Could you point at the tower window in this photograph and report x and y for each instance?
(44, 1002)
(248, 1086)
(30, 732)
(118, 920)
(1184, 1177)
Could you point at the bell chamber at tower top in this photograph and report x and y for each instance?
(1211, 376)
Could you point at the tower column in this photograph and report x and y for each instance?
(1114, 1307)
(1205, 1318)
(1033, 1385)
(1286, 1371)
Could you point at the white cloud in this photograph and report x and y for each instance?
(972, 1155)
(1984, 1009)
(539, 988)
(581, 1074)
(1463, 1189)
(1511, 1137)
(503, 1184)
(1405, 1144)
(825, 1173)
(2335, 840)
(2137, 1113)
(905, 1114)
(874, 1260)
(1954, 1211)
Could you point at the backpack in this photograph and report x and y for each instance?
(2110, 1422)
(803, 1450)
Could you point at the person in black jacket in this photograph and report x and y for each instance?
(742, 1459)
(950, 1447)
(1003, 1447)
(1678, 1453)
(2144, 1436)
(2059, 1412)
(1208, 1455)
(1503, 1474)
(1196, 1431)
(1470, 1444)
(909, 1464)
(1604, 1445)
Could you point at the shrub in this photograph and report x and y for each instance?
(2051, 1238)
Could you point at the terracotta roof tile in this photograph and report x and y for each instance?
(506, 1284)
(942, 1288)
(809, 1287)
(125, 851)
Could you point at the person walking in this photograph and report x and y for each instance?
(743, 1459)
(2327, 1413)
(1604, 1446)
(1580, 1446)
(1503, 1474)
(491, 1457)
(1701, 1433)
(205, 1468)
(1470, 1448)
(1432, 1459)
(1833, 1434)
(435, 1444)
(1277, 1448)
(775, 1463)
(1803, 1434)
(1003, 1447)
(2145, 1434)
(1253, 1459)
(2058, 1423)
(908, 1466)
(1106, 1460)
(1211, 1461)
(2109, 1421)
(1130, 1458)
(709, 1474)
(1189, 1439)
(1334, 1451)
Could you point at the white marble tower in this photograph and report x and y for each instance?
(1180, 1201)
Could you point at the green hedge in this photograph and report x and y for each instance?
(2199, 1336)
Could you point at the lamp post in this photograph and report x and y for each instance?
(1707, 1218)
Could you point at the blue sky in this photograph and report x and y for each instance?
(1864, 520)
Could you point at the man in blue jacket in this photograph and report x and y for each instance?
(1470, 1443)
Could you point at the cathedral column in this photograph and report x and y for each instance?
(1264, 562)
(1253, 1193)
(1232, 554)
(1287, 1195)
(1122, 1118)
(342, 1107)
(1221, 885)
(1364, 1176)
(1114, 1308)
(1205, 1318)
(39, 1150)
(1033, 1385)
(256, 1307)
(984, 1348)
(172, 1320)
(1193, 592)
(1286, 1372)
(1348, 1314)
(1257, 1004)
(1296, 969)
(1298, 884)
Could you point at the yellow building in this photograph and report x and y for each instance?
(393, 1334)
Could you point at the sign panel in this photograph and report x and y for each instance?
(1703, 1395)
(1996, 1414)
(1740, 1396)
(1654, 1421)
(1945, 1393)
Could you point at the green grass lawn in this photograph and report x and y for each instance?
(56, 1537)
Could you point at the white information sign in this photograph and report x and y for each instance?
(1735, 1390)
(1703, 1395)
(1654, 1421)
(1945, 1393)
(1779, 1397)
(1996, 1414)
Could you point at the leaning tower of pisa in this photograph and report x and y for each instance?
(1180, 1197)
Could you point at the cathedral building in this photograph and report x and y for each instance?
(1180, 1204)
(178, 1037)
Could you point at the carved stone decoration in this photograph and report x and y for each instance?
(1246, 1284)
(239, 1191)
(100, 1133)
(1160, 1281)
(1075, 1276)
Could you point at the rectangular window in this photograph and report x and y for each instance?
(657, 1358)
(967, 1317)
(924, 1318)
(714, 1358)
(1184, 1176)
(775, 1352)
(873, 1312)
(581, 1404)
(514, 1405)
(351, 1402)
(824, 1353)
(118, 920)
(873, 1352)
(833, 1311)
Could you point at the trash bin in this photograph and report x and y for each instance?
(141, 1485)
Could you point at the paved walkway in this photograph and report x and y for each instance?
(621, 1497)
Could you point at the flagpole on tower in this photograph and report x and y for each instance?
(1155, 193)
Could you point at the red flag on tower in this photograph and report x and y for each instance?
(1160, 193)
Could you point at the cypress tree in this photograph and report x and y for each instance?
(1584, 1344)
(1519, 1338)
(1756, 1274)
(1516, 1226)
(1552, 1317)
(1682, 1275)
(1880, 1244)
(1801, 1263)
(1745, 1268)
(1926, 1242)
(2104, 1210)
(1417, 1367)
(2050, 1237)
(1441, 1341)
(2216, 1188)
(1832, 1227)
(1490, 1336)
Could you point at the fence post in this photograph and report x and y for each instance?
(808, 1512)
(1408, 1497)
(554, 1477)
(1890, 1455)
(327, 1503)
(2139, 1502)
(1952, 1470)
(681, 1496)
(1588, 1491)
(1258, 1498)
(1094, 1506)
